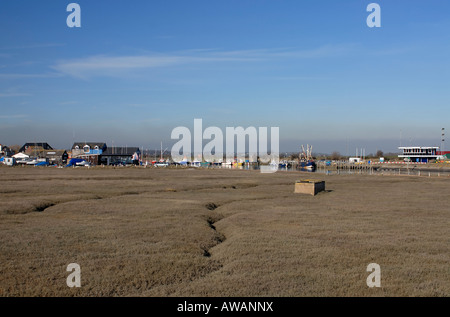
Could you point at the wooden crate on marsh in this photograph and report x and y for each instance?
(309, 186)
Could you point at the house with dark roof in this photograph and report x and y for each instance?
(5, 151)
(28, 148)
(56, 156)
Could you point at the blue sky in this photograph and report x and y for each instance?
(135, 70)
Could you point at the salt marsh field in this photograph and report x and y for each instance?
(216, 232)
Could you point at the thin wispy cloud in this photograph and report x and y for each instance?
(392, 51)
(13, 116)
(24, 76)
(102, 65)
(68, 103)
(298, 78)
(135, 105)
(31, 46)
(109, 66)
(117, 65)
(319, 52)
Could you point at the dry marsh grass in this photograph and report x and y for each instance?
(195, 232)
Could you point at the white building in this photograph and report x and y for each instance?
(419, 154)
(355, 160)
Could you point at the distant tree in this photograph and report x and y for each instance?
(15, 148)
(380, 153)
(335, 156)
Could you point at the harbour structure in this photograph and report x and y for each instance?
(419, 154)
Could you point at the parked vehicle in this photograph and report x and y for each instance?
(9, 161)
